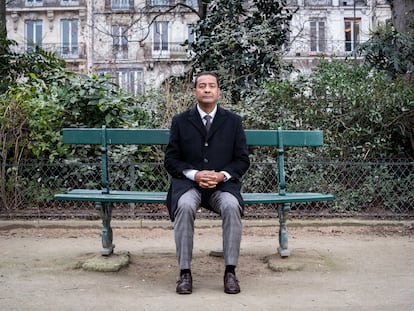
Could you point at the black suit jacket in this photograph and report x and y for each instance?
(190, 147)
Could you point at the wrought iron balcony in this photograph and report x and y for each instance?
(27, 4)
(64, 51)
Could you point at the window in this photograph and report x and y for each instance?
(120, 41)
(69, 2)
(352, 2)
(317, 36)
(33, 34)
(160, 39)
(190, 37)
(318, 2)
(192, 3)
(130, 80)
(34, 2)
(352, 27)
(160, 2)
(120, 4)
(70, 42)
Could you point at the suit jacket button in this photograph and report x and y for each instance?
(206, 144)
(205, 160)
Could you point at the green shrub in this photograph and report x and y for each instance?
(363, 113)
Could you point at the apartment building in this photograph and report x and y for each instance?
(332, 28)
(141, 42)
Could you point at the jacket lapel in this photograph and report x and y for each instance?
(195, 119)
(219, 120)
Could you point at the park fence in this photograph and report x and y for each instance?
(376, 188)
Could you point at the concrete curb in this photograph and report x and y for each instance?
(201, 223)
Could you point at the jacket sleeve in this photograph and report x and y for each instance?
(240, 163)
(172, 159)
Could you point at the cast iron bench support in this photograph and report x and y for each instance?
(106, 215)
(282, 211)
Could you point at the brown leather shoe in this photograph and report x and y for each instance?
(231, 284)
(185, 284)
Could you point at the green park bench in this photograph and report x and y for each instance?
(106, 197)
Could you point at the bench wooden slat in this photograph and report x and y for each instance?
(115, 196)
(89, 136)
(93, 136)
(296, 197)
(290, 138)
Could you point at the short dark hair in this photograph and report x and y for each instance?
(205, 73)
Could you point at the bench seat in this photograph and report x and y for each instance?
(117, 196)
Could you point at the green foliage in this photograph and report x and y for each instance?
(28, 129)
(389, 50)
(159, 106)
(95, 101)
(362, 112)
(4, 62)
(39, 97)
(18, 68)
(45, 97)
(242, 43)
(40, 121)
(379, 188)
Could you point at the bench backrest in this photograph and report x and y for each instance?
(116, 136)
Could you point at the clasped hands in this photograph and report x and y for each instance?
(208, 179)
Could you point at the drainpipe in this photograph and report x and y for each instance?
(91, 37)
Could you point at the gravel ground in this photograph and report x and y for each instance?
(334, 265)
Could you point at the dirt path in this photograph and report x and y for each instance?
(352, 266)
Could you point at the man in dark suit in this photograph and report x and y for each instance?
(206, 156)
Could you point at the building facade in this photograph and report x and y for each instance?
(332, 28)
(141, 42)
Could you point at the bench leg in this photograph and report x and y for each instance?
(106, 214)
(282, 210)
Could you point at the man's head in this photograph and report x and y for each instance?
(206, 90)
(209, 73)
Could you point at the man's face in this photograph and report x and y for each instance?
(207, 91)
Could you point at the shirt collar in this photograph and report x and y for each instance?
(211, 114)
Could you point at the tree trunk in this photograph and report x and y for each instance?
(403, 15)
(3, 30)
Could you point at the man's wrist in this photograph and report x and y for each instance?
(190, 174)
(227, 176)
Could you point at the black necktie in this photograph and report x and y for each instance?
(208, 122)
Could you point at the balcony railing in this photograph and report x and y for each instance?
(318, 2)
(332, 48)
(357, 3)
(44, 3)
(165, 4)
(72, 52)
(119, 5)
(170, 51)
(324, 3)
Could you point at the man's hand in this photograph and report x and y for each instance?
(208, 179)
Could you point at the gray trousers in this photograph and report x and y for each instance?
(225, 204)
